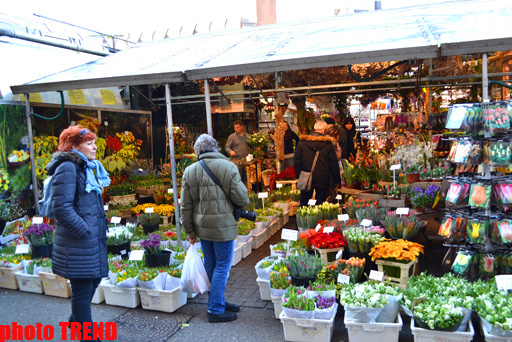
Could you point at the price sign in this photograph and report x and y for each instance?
(141, 170)
(339, 254)
(106, 123)
(105, 207)
(149, 210)
(263, 194)
(343, 217)
(312, 202)
(170, 191)
(504, 282)
(338, 197)
(376, 275)
(366, 223)
(73, 123)
(37, 220)
(115, 219)
(329, 229)
(318, 226)
(395, 167)
(126, 132)
(123, 252)
(402, 211)
(136, 255)
(343, 279)
(289, 234)
(21, 249)
(279, 185)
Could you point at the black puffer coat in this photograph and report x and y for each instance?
(80, 245)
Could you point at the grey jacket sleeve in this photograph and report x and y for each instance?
(187, 206)
(229, 144)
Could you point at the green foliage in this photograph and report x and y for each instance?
(21, 179)
(121, 189)
(12, 128)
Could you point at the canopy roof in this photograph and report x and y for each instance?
(454, 28)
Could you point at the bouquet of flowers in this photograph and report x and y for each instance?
(152, 279)
(371, 213)
(359, 240)
(40, 234)
(303, 266)
(279, 280)
(353, 204)
(259, 143)
(402, 226)
(328, 240)
(119, 235)
(297, 305)
(402, 251)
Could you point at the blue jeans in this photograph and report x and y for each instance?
(82, 291)
(217, 262)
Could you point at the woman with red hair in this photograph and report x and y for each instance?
(80, 243)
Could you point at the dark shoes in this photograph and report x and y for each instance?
(231, 307)
(224, 317)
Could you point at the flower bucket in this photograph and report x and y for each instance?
(121, 249)
(300, 281)
(413, 177)
(156, 260)
(150, 228)
(44, 251)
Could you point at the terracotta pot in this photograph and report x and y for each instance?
(413, 177)
(419, 209)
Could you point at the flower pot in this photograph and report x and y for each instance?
(419, 209)
(266, 179)
(300, 281)
(413, 177)
(156, 260)
(117, 249)
(44, 251)
(150, 228)
(425, 180)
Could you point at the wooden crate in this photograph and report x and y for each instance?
(324, 251)
(405, 271)
(7, 277)
(55, 285)
(166, 220)
(391, 203)
(368, 194)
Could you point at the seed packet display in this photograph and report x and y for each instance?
(505, 193)
(462, 153)
(462, 262)
(479, 195)
(456, 115)
(494, 229)
(488, 265)
(466, 186)
(473, 118)
(496, 118)
(460, 226)
(454, 192)
(500, 152)
(447, 228)
(475, 153)
(476, 230)
(473, 265)
(505, 262)
(453, 150)
(505, 230)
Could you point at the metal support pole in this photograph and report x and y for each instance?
(208, 107)
(430, 90)
(31, 149)
(173, 161)
(485, 79)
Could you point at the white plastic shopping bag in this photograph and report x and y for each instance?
(193, 275)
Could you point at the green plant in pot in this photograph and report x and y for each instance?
(121, 189)
(303, 268)
(118, 239)
(149, 221)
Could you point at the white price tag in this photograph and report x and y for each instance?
(343, 279)
(329, 229)
(279, 185)
(37, 220)
(338, 197)
(136, 255)
(73, 123)
(339, 254)
(402, 211)
(395, 167)
(105, 207)
(170, 191)
(289, 234)
(149, 210)
(21, 249)
(141, 170)
(123, 252)
(263, 194)
(504, 282)
(106, 123)
(115, 219)
(126, 132)
(343, 217)
(376, 275)
(318, 226)
(366, 223)
(312, 202)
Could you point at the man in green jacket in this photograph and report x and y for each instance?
(207, 213)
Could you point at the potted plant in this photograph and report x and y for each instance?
(121, 190)
(425, 175)
(265, 175)
(40, 237)
(149, 222)
(412, 171)
(153, 254)
(118, 239)
(423, 199)
(303, 268)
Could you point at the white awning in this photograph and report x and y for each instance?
(454, 28)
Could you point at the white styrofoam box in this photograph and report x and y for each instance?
(268, 234)
(99, 294)
(121, 296)
(364, 332)
(305, 330)
(29, 282)
(192, 295)
(247, 249)
(161, 300)
(258, 240)
(286, 216)
(489, 337)
(428, 335)
(264, 286)
(237, 255)
(277, 300)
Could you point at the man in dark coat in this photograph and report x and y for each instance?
(326, 167)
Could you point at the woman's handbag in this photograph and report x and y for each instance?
(305, 178)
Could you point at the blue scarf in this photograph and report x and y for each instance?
(93, 182)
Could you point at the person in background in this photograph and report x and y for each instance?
(207, 213)
(351, 140)
(237, 148)
(80, 243)
(326, 166)
(289, 137)
(334, 132)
